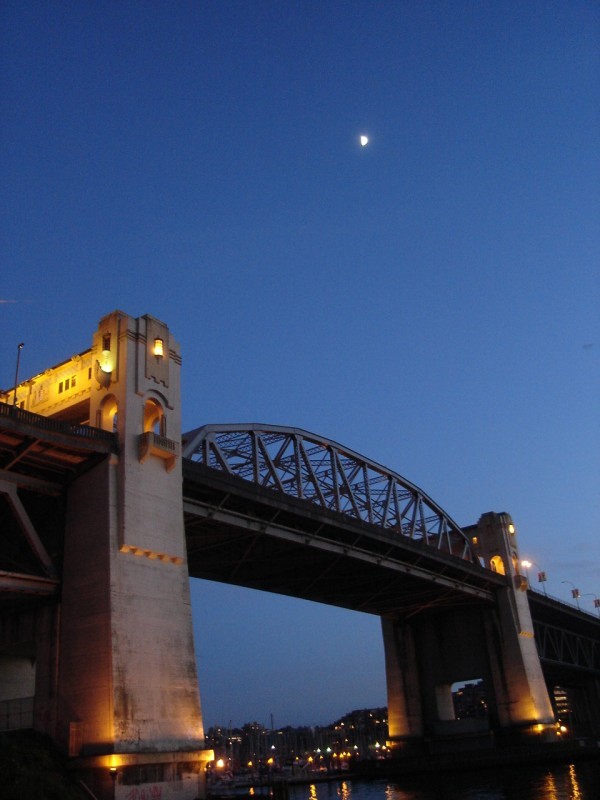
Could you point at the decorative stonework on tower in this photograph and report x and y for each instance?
(136, 393)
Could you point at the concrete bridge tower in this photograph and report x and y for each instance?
(128, 698)
(428, 652)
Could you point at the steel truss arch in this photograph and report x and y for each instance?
(309, 467)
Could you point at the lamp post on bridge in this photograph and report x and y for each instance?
(574, 592)
(526, 564)
(20, 346)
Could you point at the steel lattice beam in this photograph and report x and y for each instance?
(566, 647)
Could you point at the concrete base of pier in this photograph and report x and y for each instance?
(178, 776)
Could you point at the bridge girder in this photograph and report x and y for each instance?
(568, 639)
(558, 646)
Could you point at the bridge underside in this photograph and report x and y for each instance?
(316, 554)
(39, 458)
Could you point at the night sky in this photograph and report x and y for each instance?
(430, 300)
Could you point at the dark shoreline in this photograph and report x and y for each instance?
(463, 761)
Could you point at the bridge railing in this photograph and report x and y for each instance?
(55, 425)
(161, 446)
(544, 595)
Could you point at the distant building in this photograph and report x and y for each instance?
(470, 702)
(562, 703)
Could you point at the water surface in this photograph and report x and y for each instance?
(578, 781)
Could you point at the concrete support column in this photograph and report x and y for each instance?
(47, 632)
(405, 719)
(445, 704)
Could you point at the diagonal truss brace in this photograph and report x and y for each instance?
(26, 525)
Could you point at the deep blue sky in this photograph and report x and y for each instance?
(430, 300)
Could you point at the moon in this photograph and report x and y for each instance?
(364, 140)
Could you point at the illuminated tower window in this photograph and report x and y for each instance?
(497, 565)
(154, 418)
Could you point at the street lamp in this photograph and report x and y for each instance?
(541, 574)
(574, 592)
(20, 346)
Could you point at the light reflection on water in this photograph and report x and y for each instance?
(580, 781)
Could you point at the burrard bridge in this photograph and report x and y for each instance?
(106, 511)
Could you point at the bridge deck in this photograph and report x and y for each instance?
(42, 453)
(240, 533)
